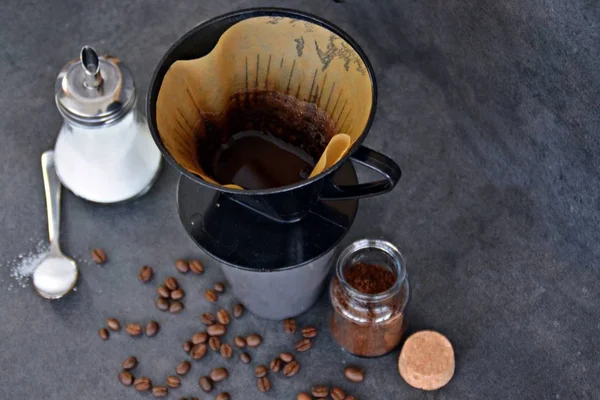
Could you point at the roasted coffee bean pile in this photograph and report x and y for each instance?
(143, 383)
(213, 336)
(322, 391)
(185, 266)
(288, 365)
(133, 329)
(285, 362)
(353, 374)
(170, 296)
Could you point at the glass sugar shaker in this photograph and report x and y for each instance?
(104, 152)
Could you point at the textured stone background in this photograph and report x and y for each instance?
(490, 107)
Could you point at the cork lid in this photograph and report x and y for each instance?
(427, 360)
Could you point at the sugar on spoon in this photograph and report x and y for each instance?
(56, 275)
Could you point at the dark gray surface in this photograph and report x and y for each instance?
(490, 107)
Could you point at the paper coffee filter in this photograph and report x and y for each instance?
(337, 147)
(280, 54)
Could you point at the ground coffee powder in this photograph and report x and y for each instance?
(369, 278)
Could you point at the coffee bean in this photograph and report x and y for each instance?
(219, 287)
(182, 266)
(354, 374)
(142, 384)
(176, 307)
(245, 358)
(205, 384)
(207, 318)
(173, 381)
(177, 294)
(291, 369)
(129, 363)
(264, 384)
(152, 328)
(171, 283)
(337, 393)
(162, 304)
(303, 396)
(217, 330)
(103, 333)
(303, 345)
(223, 316)
(183, 368)
(239, 342)
(223, 396)
(286, 357)
(187, 346)
(113, 324)
(133, 329)
(210, 295)
(289, 325)
(198, 351)
(196, 267)
(99, 256)
(254, 340)
(200, 337)
(126, 378)
(309, 332)
(214, 343)
(238, 310)
(160, 391)
(219, 374)
(275, 364)
(320, 391)
(163, 292)
(146, 274)
(260, 371)
(226, 351)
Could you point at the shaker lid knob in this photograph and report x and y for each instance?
(91, 66)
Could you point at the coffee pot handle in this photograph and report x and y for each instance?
(385, 166)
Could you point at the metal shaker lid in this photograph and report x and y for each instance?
(94, 91)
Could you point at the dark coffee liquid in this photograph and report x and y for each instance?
(264, 140)
(256, 160)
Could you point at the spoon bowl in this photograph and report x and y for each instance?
(55, 276)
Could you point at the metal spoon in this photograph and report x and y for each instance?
(56, 275)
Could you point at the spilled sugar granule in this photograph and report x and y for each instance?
(22, 267)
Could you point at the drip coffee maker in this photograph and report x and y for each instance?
(263, 112)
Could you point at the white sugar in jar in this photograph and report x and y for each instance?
(104, 152)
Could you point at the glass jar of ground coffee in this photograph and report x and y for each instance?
(369, 292)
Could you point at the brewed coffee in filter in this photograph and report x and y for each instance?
(261, 109)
